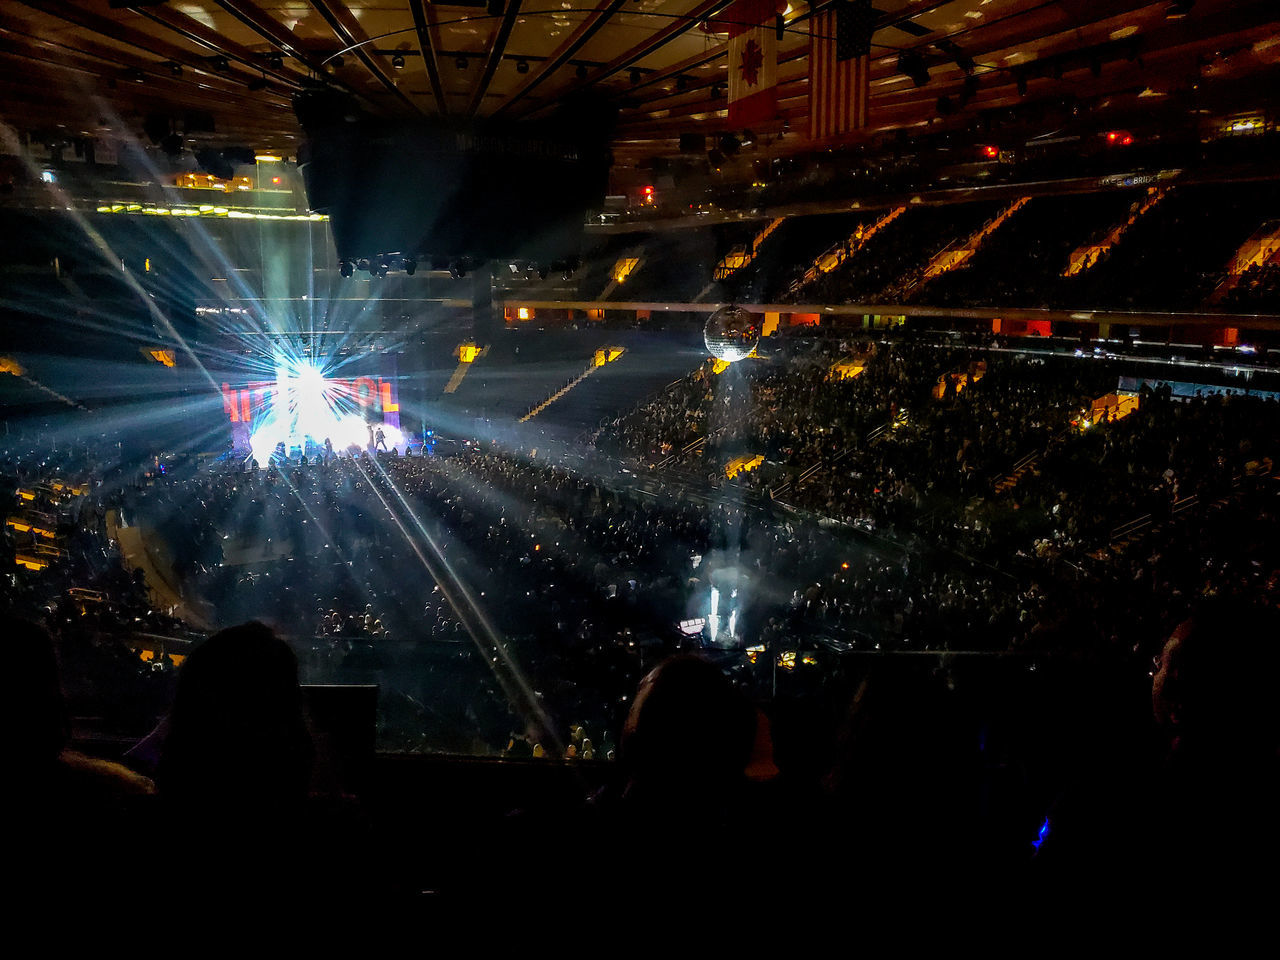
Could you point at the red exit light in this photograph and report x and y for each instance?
(1120, 138)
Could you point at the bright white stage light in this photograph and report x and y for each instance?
(713, 619)
(306, 405)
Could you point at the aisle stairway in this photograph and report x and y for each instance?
(834, 256)
(1263, 246)
(626, 264)
(955, 254)
(1020, 469)
(1086, 255)
(602, 356)
(740, 256)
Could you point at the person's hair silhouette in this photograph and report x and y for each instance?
(238, 735)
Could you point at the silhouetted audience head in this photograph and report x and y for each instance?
(688, 729)
(237, 731)
(1215, 681)
(34, 709)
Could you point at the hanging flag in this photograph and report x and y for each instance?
(753, 60)
(840, 68)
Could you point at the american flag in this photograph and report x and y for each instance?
(839, 68)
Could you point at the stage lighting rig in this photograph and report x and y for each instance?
(912, 65)
(344, 268)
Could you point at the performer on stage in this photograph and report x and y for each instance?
(380, 439)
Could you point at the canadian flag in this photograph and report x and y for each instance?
(753, 60)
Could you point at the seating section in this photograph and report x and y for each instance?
(1173, 257)
(675, 265)
(1021, 264)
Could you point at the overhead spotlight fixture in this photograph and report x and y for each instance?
(522, 66)
(275, 61)
(456, 270)
(682, 83)
(410, 266)
(397, 61)
(716, 90)
(635, 76)
(257, 83)
(175, 68)
(345, 268)
(221, 63)
(945, 106)
(135, 75)
(460, 63)
(581, 72)
(1020, 78)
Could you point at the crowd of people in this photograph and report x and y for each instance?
(956, 497)
(989, 457)
(1257, 289)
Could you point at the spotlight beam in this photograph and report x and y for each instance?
(460, 599)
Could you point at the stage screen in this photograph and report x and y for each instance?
(306, 405)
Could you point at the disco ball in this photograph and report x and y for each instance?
(731, 333)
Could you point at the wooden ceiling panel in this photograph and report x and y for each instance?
(536, 52)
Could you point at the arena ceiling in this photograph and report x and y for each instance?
(97, 65)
